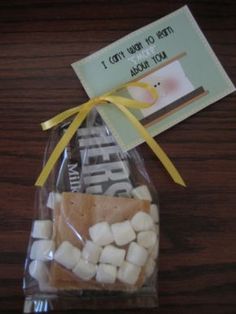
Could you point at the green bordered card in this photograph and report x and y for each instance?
(172, 55)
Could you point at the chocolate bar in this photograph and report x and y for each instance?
(93, 163)
(106, 169)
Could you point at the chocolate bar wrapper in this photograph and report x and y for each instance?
(106, 168)
(70, 167)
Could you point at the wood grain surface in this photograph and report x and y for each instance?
(38, 42)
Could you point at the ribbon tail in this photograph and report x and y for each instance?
(46, 125)
(158, 151)
(60, 147)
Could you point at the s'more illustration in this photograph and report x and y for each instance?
(175, 90)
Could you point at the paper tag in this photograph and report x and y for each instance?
(172, 55)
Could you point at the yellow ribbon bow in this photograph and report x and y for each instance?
(122, 103)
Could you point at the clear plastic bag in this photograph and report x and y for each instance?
(95, 237)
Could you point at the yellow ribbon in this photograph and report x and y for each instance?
(122, 103)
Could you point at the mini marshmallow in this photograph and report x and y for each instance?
(42, 229)
(91, 252)
(123, 232)
(112, 255)
(128, 273)
(142, 192)
(142, 221)
(154, 213)
(101, 233)
(154, 250)
(106, 273)
(38, 270)
(67, 255)
(149, 267)
(136, 254)
(84, 270)
(54, 199)
(42, 250)
(147, 239)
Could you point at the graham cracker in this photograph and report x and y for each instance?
(78, 212)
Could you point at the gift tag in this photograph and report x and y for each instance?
(173, 56)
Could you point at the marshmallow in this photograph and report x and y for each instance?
(142, 192)
(67, 255)
(101, 233)
(42, 250)
(106, 273)
(84, 270)
(112, 255)
(136, 254)
(54, 199)
(154, 213)
(147, 239)
(142, 221)
(123, 232)
(149, 267)
(42, 229)
(38, 270)
(154, 250)
(128, 273)
(91, 252)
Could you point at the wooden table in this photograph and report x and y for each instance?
(38, 42)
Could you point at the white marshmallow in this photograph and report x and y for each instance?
(154, 213)
(142, 221)
(112, 255)
(149, 267)
(147, 239)
(67, 255)
(142, 192)
(42, 229)
(128, 273)
(106, 273)
(42, 250)
(38, 270)
(154, 250)
(101, 233)
(136, 254)
(84, 270)
(123, 232)
(91, 252)
(54, 199)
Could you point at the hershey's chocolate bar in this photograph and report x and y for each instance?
(93, 163)
(105, 167)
